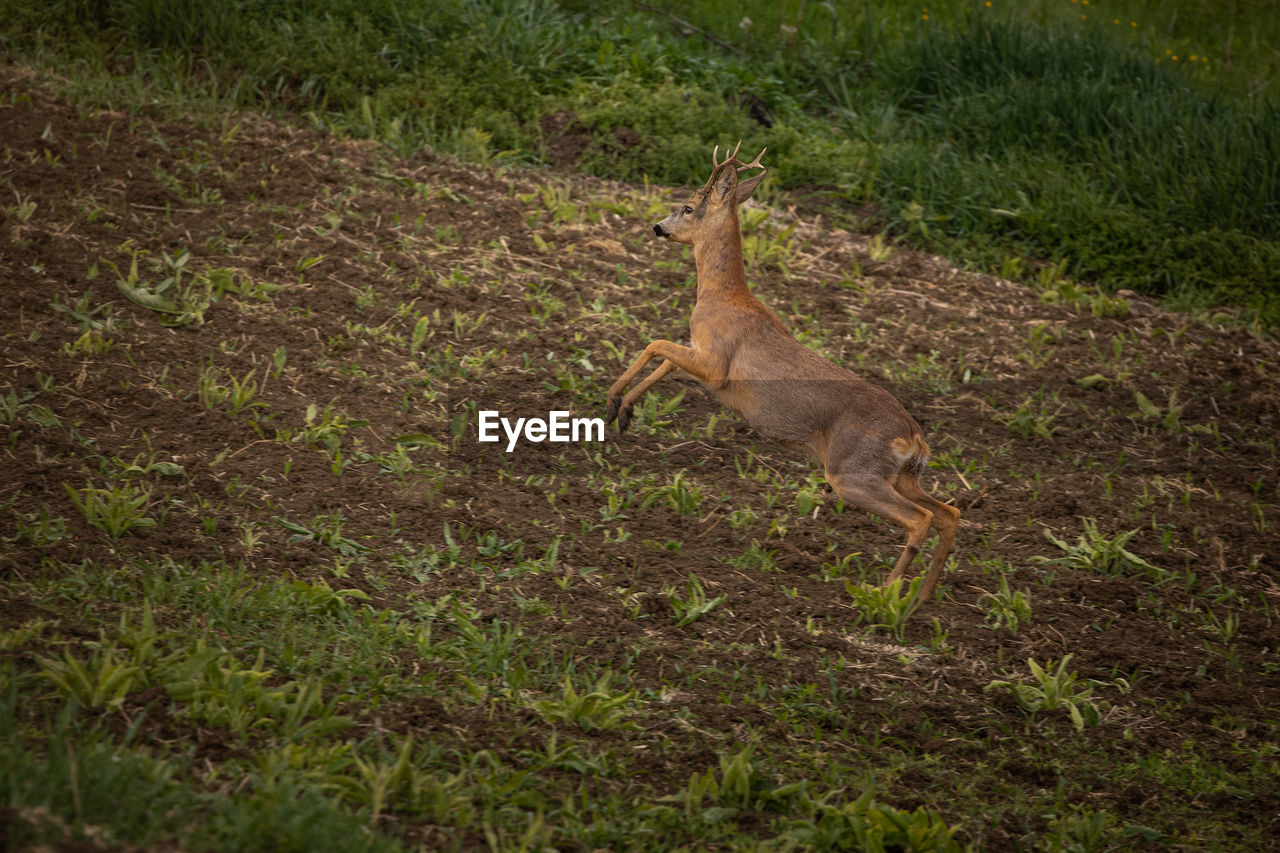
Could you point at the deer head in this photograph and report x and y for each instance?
(717, 201)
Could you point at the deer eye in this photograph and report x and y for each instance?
(688, 210)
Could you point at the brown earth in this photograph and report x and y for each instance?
(959, 349)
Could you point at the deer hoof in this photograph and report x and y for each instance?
(614, 403)
(624, 418)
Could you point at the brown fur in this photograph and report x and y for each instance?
(871, 450)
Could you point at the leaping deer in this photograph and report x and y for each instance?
(871, 450)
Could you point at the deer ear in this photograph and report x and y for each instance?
(725, 185)
(747, 187)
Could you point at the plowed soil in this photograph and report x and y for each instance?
(537, 289)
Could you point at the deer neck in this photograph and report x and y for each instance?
(719, 263)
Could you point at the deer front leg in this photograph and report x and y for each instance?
(629, 402)
(677, 358)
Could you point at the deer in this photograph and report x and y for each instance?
(871, 450)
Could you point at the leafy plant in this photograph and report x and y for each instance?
(1039, 350)
(1169, 416)
(1096, 552)
(739, 784)
(216, 688)
(41, 528)
(326, 529)
(178, 303)
(1031, 419)
(319, 597)
(324, 428)
(402, 784)
(596, 708)
(1054, 689)
(755, 557)
(691, 609)
(238, 396)
(101, 681)
(12, 405)
(117, 510)
(887, 606)
(863, 824)
(678, 495)
(1006, 608)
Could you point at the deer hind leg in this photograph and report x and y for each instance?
(878, 496)
(946, 519)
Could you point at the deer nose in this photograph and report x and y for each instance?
(657, 229)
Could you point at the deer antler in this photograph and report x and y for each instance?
(717, 164)
(754, 164)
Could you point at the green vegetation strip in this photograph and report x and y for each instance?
(1136, 144)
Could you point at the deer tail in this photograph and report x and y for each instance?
(913, 452)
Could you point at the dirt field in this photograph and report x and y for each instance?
(299, 405)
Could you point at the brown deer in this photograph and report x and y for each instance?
(871, 450)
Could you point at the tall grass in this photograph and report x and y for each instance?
(1056, 141)
(970, 130)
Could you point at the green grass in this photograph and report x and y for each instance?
(1058, 132)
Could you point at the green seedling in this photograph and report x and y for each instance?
(242, 393)
(421, 332)
(104, 680)
(1006, 608)
(326, 529)
(1054, 689)
(596, 708)
(324, 428)
(1031, 419)
(87, 317)
(755, 558)
(1039, 350)
(22, 211)
(91, 344)
(117, 510)
(1097, 553)
(1169, 416)
(40, 528)
(178, 303)
(886, 606)
(678, 495)
(691, 609)
(404, 786)
(214, 687)
(865, 825)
